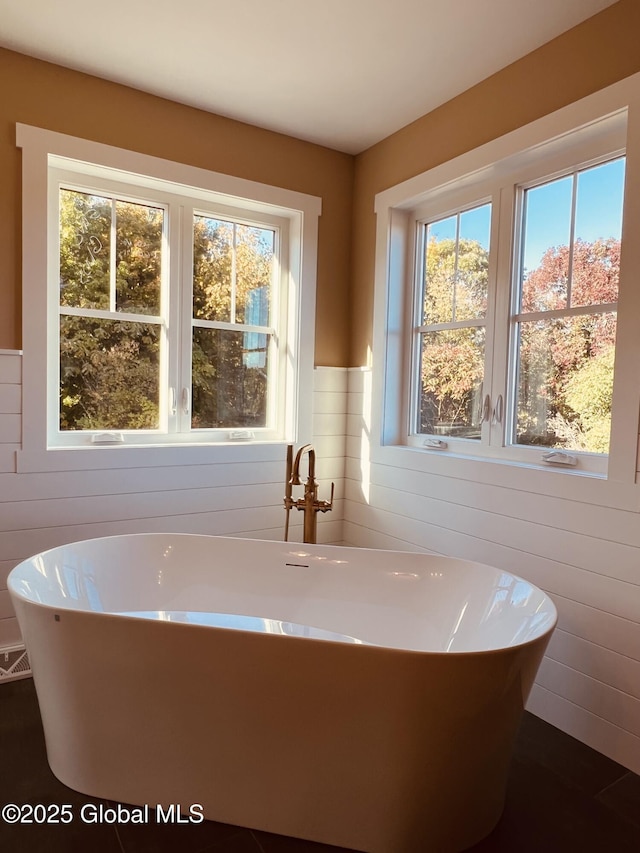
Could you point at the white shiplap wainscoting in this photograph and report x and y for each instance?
(39, 510)
(586, 557)
(10, 435)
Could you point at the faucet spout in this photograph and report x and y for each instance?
(295, 473)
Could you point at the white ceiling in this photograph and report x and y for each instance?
(342, 73)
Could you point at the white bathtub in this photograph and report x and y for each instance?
(370, 700)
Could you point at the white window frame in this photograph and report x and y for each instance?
(51, 160)
(591, 130)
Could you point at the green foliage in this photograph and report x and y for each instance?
(108, 374)
(138, 258)
(588, 393)
(455, 286)
(110, 368)
(231, 273)
(453, 360)
(590, 388)
(85, 236)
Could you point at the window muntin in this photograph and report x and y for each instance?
(566, 294)
(452, 309)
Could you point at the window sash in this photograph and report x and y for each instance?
(421, 220)
(596, 461)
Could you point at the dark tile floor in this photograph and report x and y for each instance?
(563, 798)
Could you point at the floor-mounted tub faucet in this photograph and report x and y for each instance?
(309, 504)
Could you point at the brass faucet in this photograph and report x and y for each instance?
(309, 504)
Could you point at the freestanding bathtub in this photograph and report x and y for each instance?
(367, 699)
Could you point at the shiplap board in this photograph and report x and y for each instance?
(328, 447)
(355, 425)
(10, 429)
(360, 536)
(329, 533)
(328, 424)
(122, 481)
(27, 515)
(600, 734)
(589, 658)
(357, 379)
(330, 379)
(330, 402)
(10, 399)
(591, 623)
(57, 485)
(8, 458)
(5, 568)
(10, 368)
(598, 698)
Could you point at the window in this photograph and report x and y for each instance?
(173, 304)
(558, 356)
(117, 337)
(498, 305)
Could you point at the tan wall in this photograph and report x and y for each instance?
(46, 95)
(589, 57)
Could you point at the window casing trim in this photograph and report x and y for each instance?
(92, 162)
(600, 120)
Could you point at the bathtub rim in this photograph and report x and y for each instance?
(546, 633)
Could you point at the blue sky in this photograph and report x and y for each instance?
(598, 210)
(548, 213)
(475, 224)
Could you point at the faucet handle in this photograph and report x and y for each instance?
(326, 506)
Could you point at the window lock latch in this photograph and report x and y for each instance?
(435, 444)
(107, 438)
(559, 457)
